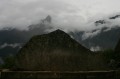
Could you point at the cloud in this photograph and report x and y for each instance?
(97, 48)
(90, 34)
(67, 14)
(10, 45)
(108, 24)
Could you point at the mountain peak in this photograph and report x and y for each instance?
(51, 52)
(48, 19)
(59, 32)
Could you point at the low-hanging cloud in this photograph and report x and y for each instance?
(10, 45)
(67, 14)
(107, 26)
(90, 34)
(96, 48)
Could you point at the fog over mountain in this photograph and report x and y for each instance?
(70, 15)
(95, 24)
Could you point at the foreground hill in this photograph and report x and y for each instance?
(53, 51)
(57, 51)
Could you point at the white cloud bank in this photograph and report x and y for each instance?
(90, 34)
(67, 14)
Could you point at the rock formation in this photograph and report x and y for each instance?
(55, 51)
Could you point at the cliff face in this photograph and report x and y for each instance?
(117, 49)
(55, 51)
(117, 53)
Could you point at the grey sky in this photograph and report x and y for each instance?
(67, 14)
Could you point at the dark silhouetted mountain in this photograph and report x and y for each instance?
(12, 36)
(117, 54)
(117, 48)
(55, 51)
(48, 19)
(106, 39)
(8, 51)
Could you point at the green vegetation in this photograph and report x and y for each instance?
(9, 62)
(102, 60)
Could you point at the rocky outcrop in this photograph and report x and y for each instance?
(55, 51)
(117, 48)
(117, 53)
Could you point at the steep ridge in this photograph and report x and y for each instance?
(117, 48)
(55, 51)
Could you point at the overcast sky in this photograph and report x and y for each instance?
(68, 14)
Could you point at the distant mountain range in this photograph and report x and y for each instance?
(101, 41)
(11, 39)
(105, 37)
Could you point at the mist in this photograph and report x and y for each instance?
(70, 15)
